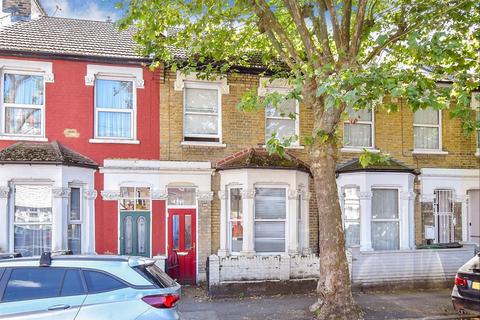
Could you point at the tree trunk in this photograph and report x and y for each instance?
(335, 300)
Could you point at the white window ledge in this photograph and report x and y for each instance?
(477, 154)
(358, 150)
(433, 152)
(203, 144)
(23, 138)
(119, 141)
(294, 147)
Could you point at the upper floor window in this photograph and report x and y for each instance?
(282, 120)
(427, 129)
(202, 112)
(358, 132)
(115, 105)
(23, 104)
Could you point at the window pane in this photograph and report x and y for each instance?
(236, 205)
(114, 124)
(270, 203)
(236, 229)
(201, 100)
(176, 231)
(143, 192)
(72, 285)
(114, 94)
(357, 135)
(283, 109)
(33, 283)
(97, 282)
(182, 196)
(74, 234)
(23, 121)
(23, 89)
(142, 234)
(360, 115)
(385, 235)
(188, 232)
(128, 234)
(351, 209)
(74, 214)
(426, 138)
(201, 124)
(127, 205)
(283, 128)
(32, 240)
(426, 116)
(270, 236)
(127, 192)
(142, 205)
(385, 204)
(352, 233)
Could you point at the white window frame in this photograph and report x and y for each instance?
(133, 111)
(285, 221)
(230, 220)
(439, 126)
(206, 86)
(80, 221)
(297, 117)
(11, 227)
(372, 133)
(5, 105)
(344, 218)
(399, 220)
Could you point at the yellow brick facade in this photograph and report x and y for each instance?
(240, 130)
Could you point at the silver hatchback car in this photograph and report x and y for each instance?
(68, 287)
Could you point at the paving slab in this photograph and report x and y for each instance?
(425, 305)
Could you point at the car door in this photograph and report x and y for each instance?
(41, 293)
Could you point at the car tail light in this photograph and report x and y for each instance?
(162, 301)
(459, 281)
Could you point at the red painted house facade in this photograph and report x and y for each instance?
(89, 97)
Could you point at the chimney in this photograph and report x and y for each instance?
(17, 9)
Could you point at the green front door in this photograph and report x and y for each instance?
(135, 233)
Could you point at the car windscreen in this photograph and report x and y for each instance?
(156, 276)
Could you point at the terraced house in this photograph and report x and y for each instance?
(183, 175)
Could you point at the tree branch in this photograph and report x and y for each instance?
(310, 47)
(357, 33)
(345, 27)
(321, 31)
(336, 29)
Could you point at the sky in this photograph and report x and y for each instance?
(83, 9)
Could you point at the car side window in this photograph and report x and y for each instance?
(72, 284)
(99, 282)
(33, 283)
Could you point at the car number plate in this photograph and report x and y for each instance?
(476, 285)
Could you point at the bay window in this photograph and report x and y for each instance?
(115, 106)
(74, 230)
(427, 130)
(202, 112)
(385, 219)
(270, 213)
(235, 220)
(32, 219)
(23, 104)
(358, 132)
(351, 216)
(282, 120)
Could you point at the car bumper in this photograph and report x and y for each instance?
(465, 304)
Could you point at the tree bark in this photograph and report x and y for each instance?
(335, 300)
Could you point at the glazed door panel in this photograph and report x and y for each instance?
(135, 233)
(182, 260)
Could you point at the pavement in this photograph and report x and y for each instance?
(425, 305)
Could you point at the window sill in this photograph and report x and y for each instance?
(21, 138)
(358, 150)
(432, 152)
(294, 147)
(114, 141)
(477, 154)
(203, 144)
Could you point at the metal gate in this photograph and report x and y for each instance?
(443, 215)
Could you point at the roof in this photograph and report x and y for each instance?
(44, 153)
(392, 166)
(259, 158)
(69, 37)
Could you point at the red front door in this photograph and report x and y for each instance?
(182, 255)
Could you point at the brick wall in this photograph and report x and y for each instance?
(393, 135)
